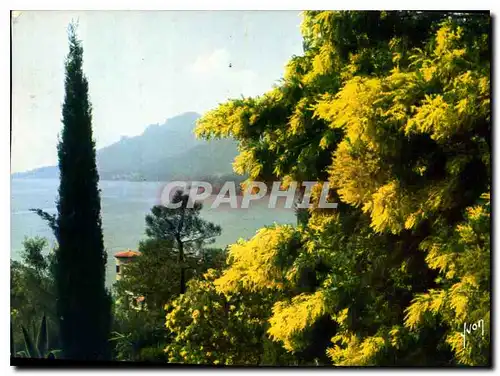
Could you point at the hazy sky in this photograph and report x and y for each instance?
(143, 67)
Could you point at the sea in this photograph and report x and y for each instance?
(124, 205)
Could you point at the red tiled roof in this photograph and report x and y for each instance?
(127, 254)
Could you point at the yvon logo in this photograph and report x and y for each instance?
(469, 328)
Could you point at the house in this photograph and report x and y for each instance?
(122, 259)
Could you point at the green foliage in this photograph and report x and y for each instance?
(32, 350)
(183, 228)
(12, 342)
(208, 327)
(462, 256)
(32, 254)
(155, 274)
(393, 109)
(175, 249)
(153, 354)
(42, 340)
(136, 331)
(249, 261)
(32, 290)
(83, 304)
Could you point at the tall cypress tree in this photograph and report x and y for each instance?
(83, 303)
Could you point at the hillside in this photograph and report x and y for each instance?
(162, 152)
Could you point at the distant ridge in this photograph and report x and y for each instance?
(162, 152)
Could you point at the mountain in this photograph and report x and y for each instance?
(133, 154)
(49, 172)
(209, 158)
(162, 152)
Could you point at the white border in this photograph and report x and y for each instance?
(247, 5)
(6, 6)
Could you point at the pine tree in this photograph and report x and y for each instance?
(183, 227)
(83, 303)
